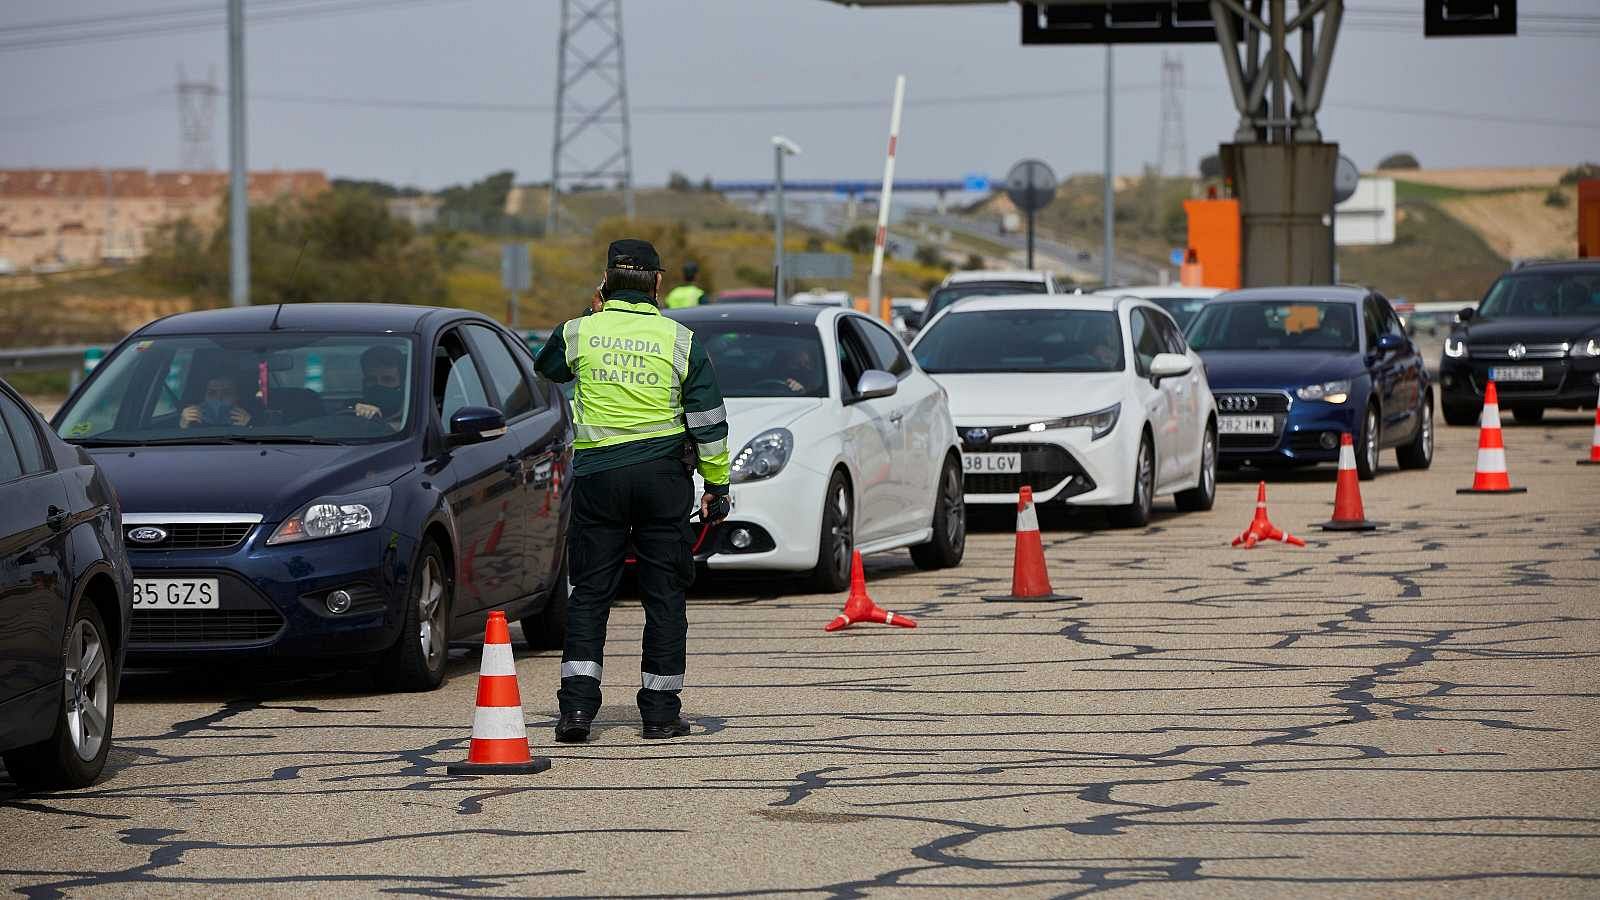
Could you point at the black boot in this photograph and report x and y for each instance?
(655, 731)
(573, 727)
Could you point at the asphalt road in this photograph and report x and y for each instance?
(1410, 712)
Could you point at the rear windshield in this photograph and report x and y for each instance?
(950, 293)
(765, 359)
(1022, 340)
(345, 388)
(1544, 295)
(1181, 309)
(1275, 325)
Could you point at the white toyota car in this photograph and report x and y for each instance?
(840, 442)
(1094, 402)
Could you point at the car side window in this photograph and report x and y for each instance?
(1171, 337)
(10, 463)
(24, 436)
(852, 361)
(1371, 323)
(1146, 340)
(1391, 320)
(887, 353)
(510, 385)
(456, 383)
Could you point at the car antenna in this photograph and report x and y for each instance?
(292, 276)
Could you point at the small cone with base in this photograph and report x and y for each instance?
(1347, 512)
(860, 608)
(1261, 527)
(499, 732)
(1491, 476)
(1030, 579)
(1594, 445)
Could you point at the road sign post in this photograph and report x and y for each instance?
(1031, 185)
(516, 276)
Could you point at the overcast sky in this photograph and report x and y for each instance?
(112, 102)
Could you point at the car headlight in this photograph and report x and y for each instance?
(1590, 348)
(763, 457)
(1101, 421)
(333, 516)
(1455, 348)
(1327, 392)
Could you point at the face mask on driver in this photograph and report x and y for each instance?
(388, 399)
(215, 412)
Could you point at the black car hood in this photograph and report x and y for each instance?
(1540, 330)
(1277, 369)
(271, 480)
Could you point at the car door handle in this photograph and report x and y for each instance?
(56, 518)
(895, 417)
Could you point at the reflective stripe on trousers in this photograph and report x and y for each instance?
(660, 682)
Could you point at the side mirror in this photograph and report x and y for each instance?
(876, 383)
(474, 425)
(1169, 365)
(1465, 314)
(1389, 343)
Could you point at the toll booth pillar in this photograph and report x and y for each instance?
(1285, 194)
(1589, 217)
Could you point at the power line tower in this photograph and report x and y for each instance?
(1173, 158)
(591, 146)
(197, 108)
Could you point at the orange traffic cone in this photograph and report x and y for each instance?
(1261, 528)
(499, 733)
(1594, 445)
(1491, 476)
(1030, 578)
(1347, 512)
(860, 608)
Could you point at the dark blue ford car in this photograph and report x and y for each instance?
(347, 481)
(1292, 368)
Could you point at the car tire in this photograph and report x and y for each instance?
(836, 542)
(1418, 452)
(1367, 445)
(1461, 415)
(547, 628)
(949, 542)
(417, 660)
(1202, 496)
(1528, 415)
(74, 754)
(1137, 513)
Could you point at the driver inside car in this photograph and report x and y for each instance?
(383, 393)
(220, 406)
(802, 376)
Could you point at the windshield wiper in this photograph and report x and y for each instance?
(283, 439)
(211, 440)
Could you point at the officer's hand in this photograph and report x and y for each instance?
(710, 502)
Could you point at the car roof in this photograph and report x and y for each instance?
(750, 312)
(1547, 266)
(994, 275)
(1147, 291)
(1328, 292)
(355, 317)
(1100, 302)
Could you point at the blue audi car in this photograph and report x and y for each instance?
(1293, 368)
(352, 482)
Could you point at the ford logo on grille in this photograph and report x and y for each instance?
(1238, 403)
(1516, 351)
(977, 435)
(147, 534)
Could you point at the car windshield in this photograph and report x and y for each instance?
(950, 293)
(1275, 325)
(1544, 295)
(1022, 340)
(764, 359)
(1181, 309)
(255, 388)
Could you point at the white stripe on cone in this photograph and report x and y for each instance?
(1347, 456)
(497, 660)
(1491, 416)
(1491, 459)
(498, 723)
(1027, 519)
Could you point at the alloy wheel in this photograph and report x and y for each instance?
(1208, 464)
(88, 690)
(839, 532)
(1427, 431)
(1370, 446)
(955, 508)
(430, 612)
(1143, 484)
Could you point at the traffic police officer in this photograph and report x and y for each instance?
(689, 294)
(645, 389)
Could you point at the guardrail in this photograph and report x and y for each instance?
(47, 359)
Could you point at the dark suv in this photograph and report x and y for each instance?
(1536, 335)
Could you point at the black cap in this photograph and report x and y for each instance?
(630, 253)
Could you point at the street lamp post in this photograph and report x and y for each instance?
(781, 147)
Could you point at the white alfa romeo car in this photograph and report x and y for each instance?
(839, 442)
(1089, 400)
